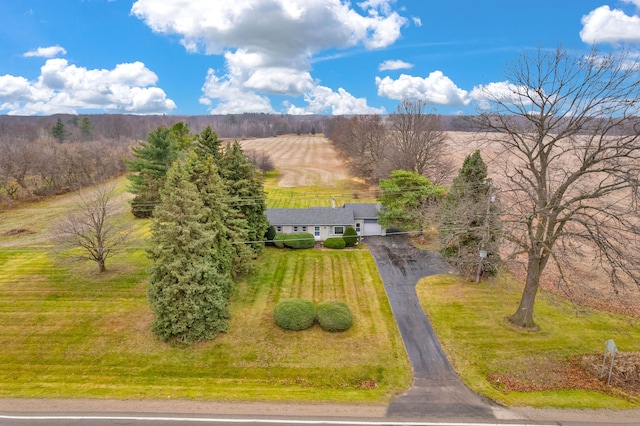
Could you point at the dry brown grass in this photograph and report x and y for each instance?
(307, 160)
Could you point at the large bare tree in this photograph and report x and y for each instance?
(417, 142)
(568, 130)
(92, 231)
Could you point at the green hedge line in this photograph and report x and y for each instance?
(296, 240)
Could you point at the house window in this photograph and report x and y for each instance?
(316, 231)
(304, 229)
(278, 228)
(338, 230)
(358, 228)
(295, 229)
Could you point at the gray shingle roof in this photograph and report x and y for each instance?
(310, 216)
(364, 210)
(322, 215)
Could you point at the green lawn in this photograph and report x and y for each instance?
(469, 321)
(66, 331)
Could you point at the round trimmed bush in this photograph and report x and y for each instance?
(350, 236)
(294, 314)
(335, 243)
(334, 316)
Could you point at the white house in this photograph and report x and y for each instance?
(326, 222)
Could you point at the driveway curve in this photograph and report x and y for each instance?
(437, 391)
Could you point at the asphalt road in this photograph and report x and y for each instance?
(437, 391)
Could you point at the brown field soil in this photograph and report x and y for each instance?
(586, 284)
(306, 160)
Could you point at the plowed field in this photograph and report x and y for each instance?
(307, 160)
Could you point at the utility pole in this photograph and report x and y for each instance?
(483, 252)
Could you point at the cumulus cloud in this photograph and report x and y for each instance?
(46, 52)
(268, 44)
(323, 99)
(503, 92)
(604, 25)
(394, 64)
(63, 87)
(436, 89)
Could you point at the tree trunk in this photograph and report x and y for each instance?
(101, 267)
(523, 317)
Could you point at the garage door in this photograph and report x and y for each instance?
(371, 229)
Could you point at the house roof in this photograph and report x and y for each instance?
(310, 216)
(364, 210)
(322, 215)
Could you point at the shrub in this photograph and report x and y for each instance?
(278, 239)
(270, 234)
(334, 316)
(294, 314)
(299, 240)
(335, 243)
(350, 236)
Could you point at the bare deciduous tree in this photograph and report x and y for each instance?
(260, 160)
(569, 135)
(92, 232)
(418, 143)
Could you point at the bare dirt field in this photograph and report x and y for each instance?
(306, 160)
(586, 283)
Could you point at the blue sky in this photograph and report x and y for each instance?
(282, 56)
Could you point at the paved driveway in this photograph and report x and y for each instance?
(437, 392)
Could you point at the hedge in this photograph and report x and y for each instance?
(297, 240)
(334, 316)
(335, 243)
(294, 314)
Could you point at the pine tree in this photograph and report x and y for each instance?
(207, 143)
(59, 132)
(190, 279)
(245, 189)
(470, 222)
(149, 167)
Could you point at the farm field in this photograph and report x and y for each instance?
(67, 331)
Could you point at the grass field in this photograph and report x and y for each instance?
(502, 362)
(67, 331)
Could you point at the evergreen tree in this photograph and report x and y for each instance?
(245, 190)
(405, 199)
(470, 222)
(59, 132)
(86, 128)
(207, 143)
(152, 160)
(190, 279)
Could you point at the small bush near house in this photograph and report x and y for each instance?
(335, 243)
(294, 314)
(299, 240)
(334, 316)
(350, 236)
(269, 235)
(278, 239)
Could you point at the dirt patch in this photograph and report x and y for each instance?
(18, 231)
(579, 373)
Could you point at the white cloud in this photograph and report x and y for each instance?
(503, 92)
(636, 2)
(323, 99)
(436, 89)
(603, 25)
(268, 44)
(63, 87)
(232, 99)
(394, 64)
(46, 52)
